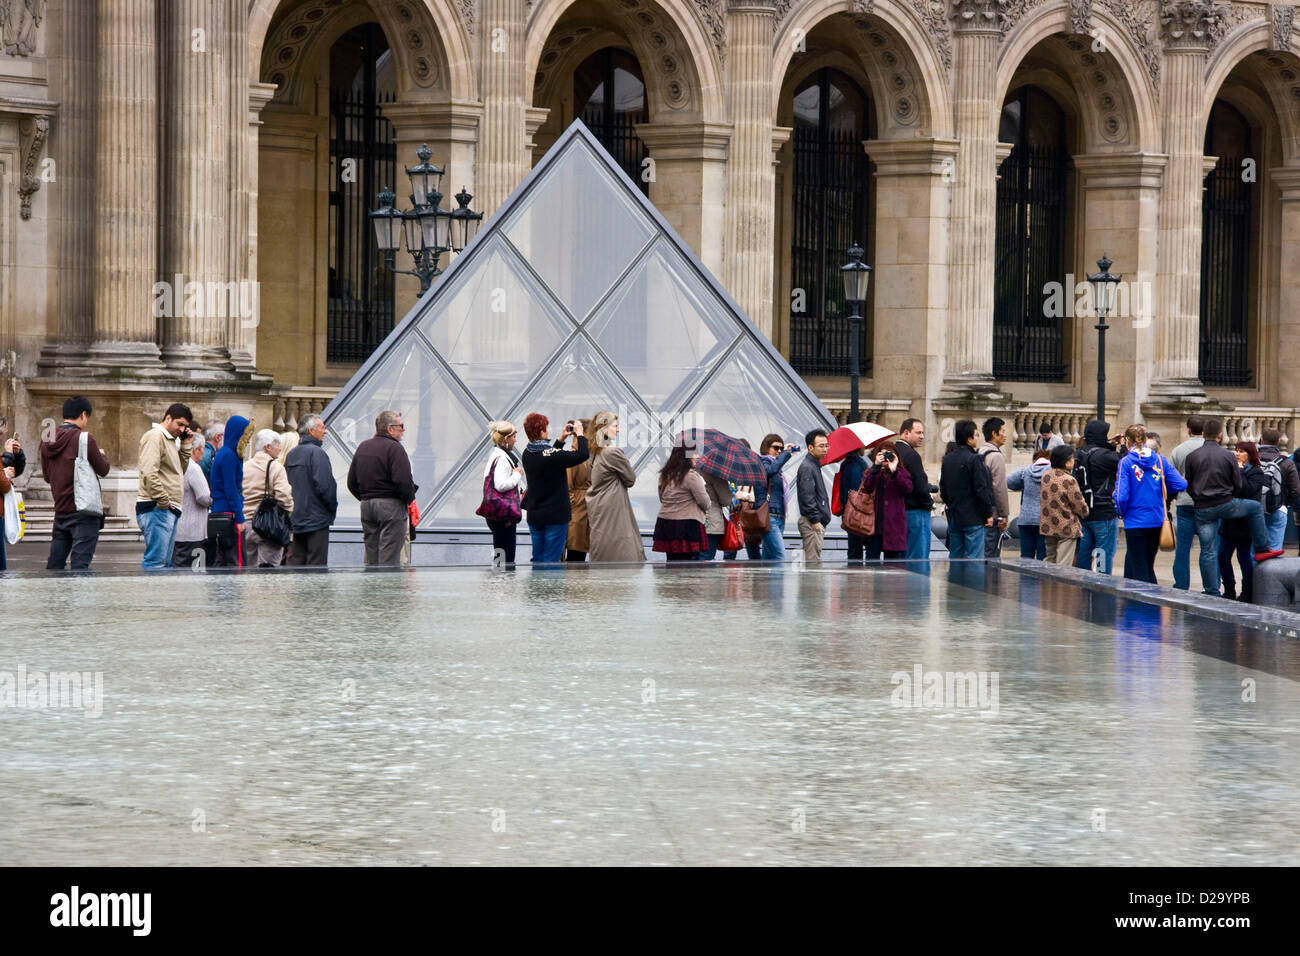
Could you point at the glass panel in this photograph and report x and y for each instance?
(441, 424)
(579, 229)
(457, 509)
(495, 328)
(663, 329)
(577, 385)
(349, 515)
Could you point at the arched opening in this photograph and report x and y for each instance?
(833, 197)
(362, 160)
(1227, 230)
(1033, 220)
(611, 90)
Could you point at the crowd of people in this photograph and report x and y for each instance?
(231, 495)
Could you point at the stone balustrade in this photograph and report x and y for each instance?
(294, 403)
(1246, 422)
(1067, 420)
(884, 411)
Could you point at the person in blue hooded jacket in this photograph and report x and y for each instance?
(226, 522)
(1141, 499)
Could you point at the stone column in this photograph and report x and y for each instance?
(910, 294)
(197, 226)
(969, 349)
(1286, 346)
(126, 182)
(690, 184)
(72, 144)
(503, 160)
(243, 341)
(751, 181)
(1121, 199)
(1185, 33)
(243, 104)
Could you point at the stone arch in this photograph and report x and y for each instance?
(429, 44)
(907, 78)
(680, 62)
(1277, 72)
(836, 60)
(1113, 89)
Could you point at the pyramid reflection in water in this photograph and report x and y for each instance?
(575, 297)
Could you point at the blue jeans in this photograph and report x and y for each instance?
(918, 535)
(1207, 531)
(159, 528)
(548, 542)
(1185, 516)
(1276, 529)
(773, 546)
(1032, 544)
(966, 542)
(1098, 534)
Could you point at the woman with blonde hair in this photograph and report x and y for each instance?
(505, 476)
(614, 535)
(578, 541)
(288, 442)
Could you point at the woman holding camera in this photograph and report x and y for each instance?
(891, 485)
(546, 501)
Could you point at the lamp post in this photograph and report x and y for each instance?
(1103, 295)
(857, 276)
(430, 230)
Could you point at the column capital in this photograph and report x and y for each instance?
(911, 157)
(1121, 170)
(456, 122)
(1188, 24)
(978, 16)
(686, 140)
(757, 7)
(1287, 181)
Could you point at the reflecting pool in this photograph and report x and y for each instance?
(639, 715)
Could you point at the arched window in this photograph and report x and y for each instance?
(1033, 195)
(1226, 226)
(363, 159)
(833, 195)
(610, 93)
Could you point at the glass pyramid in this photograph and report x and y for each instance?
(576, 296)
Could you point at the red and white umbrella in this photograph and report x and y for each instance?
(849, 438)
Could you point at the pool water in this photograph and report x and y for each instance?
(640, 715)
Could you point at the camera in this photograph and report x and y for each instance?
(889, 456)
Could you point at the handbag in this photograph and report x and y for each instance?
(15, 517)
(1168, 540)
(271, 522)
(755, 521)
(734, 538)
(85, 483)
(837, 507)
(860, 511)
(498, 505)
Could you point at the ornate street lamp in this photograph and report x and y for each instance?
(857, 277)
(464, 222)
(427, 226)
(1103, 295)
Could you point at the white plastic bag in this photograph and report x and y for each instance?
(85, 483)
(15, 517)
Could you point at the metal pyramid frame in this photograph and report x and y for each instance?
(575, 296)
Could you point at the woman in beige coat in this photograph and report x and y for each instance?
(264, 466)
(610, 519)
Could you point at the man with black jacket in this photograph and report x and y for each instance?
(315, 495)
(1213, 480)
(810, 488)
(911, 435)
(546, 465)
(380, 478)
(1098, 463)
(74, 534)
(967, 490)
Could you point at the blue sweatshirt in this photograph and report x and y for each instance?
(228, 469)
(1138, 497)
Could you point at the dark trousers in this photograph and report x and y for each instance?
(856, 545)
(185, 552)
(873, 550)
(993, 541)
(75, 535)
(715, 542)
(504, 538)
(225, 540)
(1141, 545)
(1032, 544)
(1245, 558)
(574, 555)
(310, 549)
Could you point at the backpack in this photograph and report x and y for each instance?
(1271, 498)
(1080, 474)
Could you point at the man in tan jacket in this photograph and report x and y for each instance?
(164, 455)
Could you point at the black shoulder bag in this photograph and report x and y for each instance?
(271, 522)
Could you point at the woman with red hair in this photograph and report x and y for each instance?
(546, 466)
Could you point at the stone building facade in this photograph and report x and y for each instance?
(986, 153)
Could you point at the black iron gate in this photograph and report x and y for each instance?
(833, 193)
(1225, 272)
(614, 124)
(1032, 212)
(363, 159)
